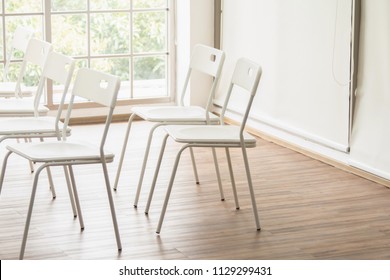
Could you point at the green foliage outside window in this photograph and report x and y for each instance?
(110, 34)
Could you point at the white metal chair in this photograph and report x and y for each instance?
(19, 44)
(58, 68)
(91, 85)
(205, 60)
(36, 54)
(246, 76)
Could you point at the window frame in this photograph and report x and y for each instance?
(47, 34)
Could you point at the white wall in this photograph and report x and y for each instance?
(304, 95)
(370, 149)
(303, 47)
(195, 25)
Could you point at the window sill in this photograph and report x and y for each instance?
(98, 115)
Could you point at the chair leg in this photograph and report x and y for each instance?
(112, 207)
(232, 178)
(76, 196)
(152, 187)
(29, 213)
(30, 162)
(143, 168)
(31, 166)
(250, 185)
(3, 169)
(118, 172)
(51, 184)
(218, 174)
(194, 166)
(70, 192)
(164, 208)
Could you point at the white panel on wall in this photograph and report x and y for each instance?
(195, 21)
(304, 49)
(370, 149)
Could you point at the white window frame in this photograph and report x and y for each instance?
(170, 52)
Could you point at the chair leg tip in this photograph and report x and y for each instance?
(237, 208)
(259, 229)
(222, 199)
(146, 213)
(197, 183)
(135, 206)
(157, 232)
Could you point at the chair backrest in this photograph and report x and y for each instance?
(247, 76)
(98, 87)
(58, 68)
(36, 54)
(19, 43)
(209, 61)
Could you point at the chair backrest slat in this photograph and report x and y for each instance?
(36, 53)
(207, 60)
(246, 75)
(59, 68)
(21, 38)
(19, 43)
(96, 86)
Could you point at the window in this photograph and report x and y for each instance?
(131, 39)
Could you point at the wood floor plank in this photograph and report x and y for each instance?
(307, 209)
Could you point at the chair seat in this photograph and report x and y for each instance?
(173, 114)
(28, 125)
(216, 134)
(59, 151)
(20, 107)
(7, 89)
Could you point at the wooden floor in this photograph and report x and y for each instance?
(308, 209)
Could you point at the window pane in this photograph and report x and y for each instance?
(150, 76)
(110, 33)
(1, 42)
(69, 34)
(116, 66)
(142, 4)
(33, 22)
(23, 6)
(2, 71)
(149, 32)
(109, 4)
(66, 5)
(31, 76)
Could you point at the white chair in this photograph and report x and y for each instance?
(36, 54)
(91, 85)
(246, 77)
(19, 44)
(58, 68)
(205, 60)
